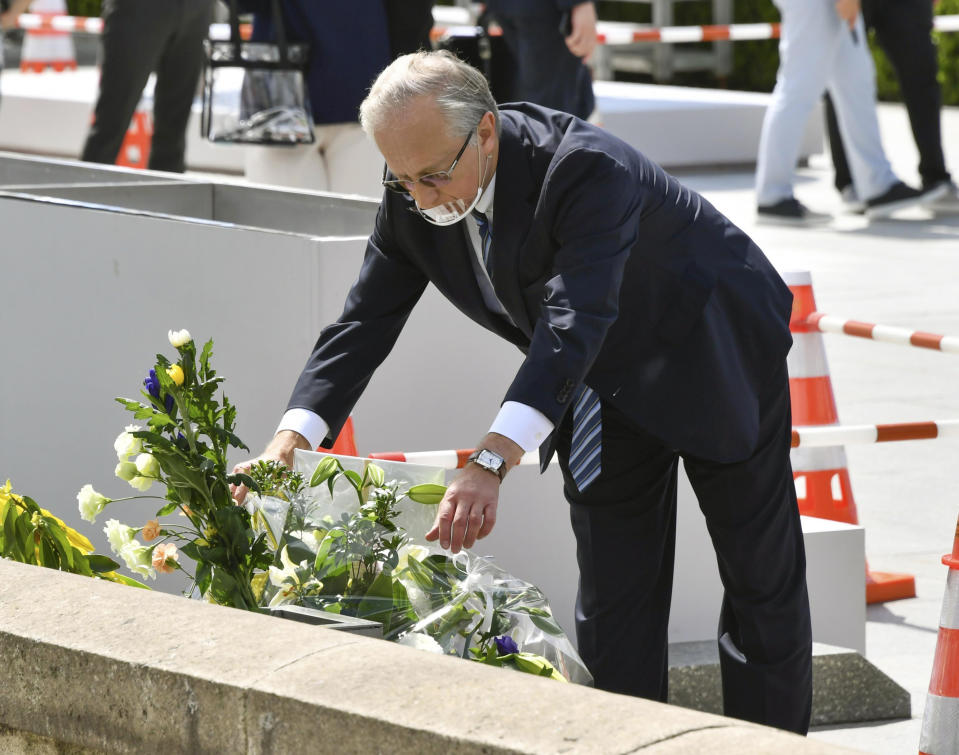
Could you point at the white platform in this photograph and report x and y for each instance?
(49, 114)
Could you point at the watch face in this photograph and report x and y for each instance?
(489, 459)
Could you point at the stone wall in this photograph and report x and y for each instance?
(91, 665)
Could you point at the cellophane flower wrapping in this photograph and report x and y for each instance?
(425, 597)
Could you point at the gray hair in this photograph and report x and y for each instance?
(459, 90)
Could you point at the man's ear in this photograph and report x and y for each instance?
(487, 133)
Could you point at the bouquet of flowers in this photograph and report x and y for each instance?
(346, 547)
(183, 446)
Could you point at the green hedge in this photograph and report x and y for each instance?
(83, 7)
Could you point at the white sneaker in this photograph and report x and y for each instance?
(948, 202)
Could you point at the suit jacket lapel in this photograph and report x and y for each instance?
(513, 206)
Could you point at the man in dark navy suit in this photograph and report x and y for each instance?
(653, 329)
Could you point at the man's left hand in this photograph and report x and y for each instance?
(468, 510)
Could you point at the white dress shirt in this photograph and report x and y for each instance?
(525, 426)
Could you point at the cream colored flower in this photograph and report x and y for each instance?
(118, 534)
(126, 470)
(126, 445)
(91, 502)
(141, 483)
(421, 642)
(138, 559)
(179, 338)
(147, 465)
(163, 554)
(151, 530)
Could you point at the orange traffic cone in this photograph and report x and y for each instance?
(345, 443)
(135, 149)
(46, 48)
(940, 732)
(821, 474)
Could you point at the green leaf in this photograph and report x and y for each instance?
(124, 580)
(100, 564)
(325, 468)
(354, 478)
(48, 556)
(168, 508)
(427, 493)
(547, 625)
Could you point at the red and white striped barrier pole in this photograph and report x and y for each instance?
(620, 33)
(886, 333)
(94, 25)
(802, 437)
(940, 721)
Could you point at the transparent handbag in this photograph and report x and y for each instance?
(255, 92)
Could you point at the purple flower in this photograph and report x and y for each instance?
(153, 388)
(505, 645)
(152, 384)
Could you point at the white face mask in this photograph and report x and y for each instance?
(449, 213)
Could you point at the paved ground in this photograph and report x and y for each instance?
(899, 272)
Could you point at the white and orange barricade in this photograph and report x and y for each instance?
(46, 46)
(940, 722)
(135, 148)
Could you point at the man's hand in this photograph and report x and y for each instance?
(279, 449)
(582, 41)
(467, 512)
(848, 11)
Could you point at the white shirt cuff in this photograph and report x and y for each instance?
(525, 426)
(308, 424)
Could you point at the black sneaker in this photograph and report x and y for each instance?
(789, 212)
(900, 197)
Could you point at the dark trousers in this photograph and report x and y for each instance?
(625, 527)
(904, 32)
(140, 37)
(546, 72)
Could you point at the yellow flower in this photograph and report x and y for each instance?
(175, 372)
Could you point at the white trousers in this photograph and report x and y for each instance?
(342, 160)
(817, 53)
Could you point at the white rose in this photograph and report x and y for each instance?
(179, 338)
(141, 483)
(126, 445)
(138, 558)
(118, 534)
(421, 642)
(147, 465)
(91, 502)
(126, 470)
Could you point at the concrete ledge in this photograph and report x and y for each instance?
(846, 687)
(109, 668)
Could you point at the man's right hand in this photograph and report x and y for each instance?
(848, 11)
(279, 449)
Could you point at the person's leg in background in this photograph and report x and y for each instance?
(177, 74)
(808, 43)
(842, 179)
(134, 32)
(547, 73)
(765, 633)
(904, 32)
(353, 163)
(625, 528)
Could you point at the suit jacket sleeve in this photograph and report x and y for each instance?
(591, 206)
(349, 351)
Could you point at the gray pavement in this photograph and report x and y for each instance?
(904, 272)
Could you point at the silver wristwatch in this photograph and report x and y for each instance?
(490, 461)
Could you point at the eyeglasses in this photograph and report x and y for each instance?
(432, 180)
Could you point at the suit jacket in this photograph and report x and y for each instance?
(614, 274)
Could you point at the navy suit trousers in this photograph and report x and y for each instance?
(625, 527)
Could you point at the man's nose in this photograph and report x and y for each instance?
(425, 196)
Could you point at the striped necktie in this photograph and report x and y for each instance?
(585, 461)
(486, 237)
